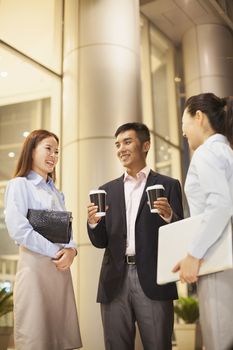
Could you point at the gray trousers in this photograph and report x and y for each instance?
(215, 294)
(154, 318)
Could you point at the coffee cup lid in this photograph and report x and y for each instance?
(97, 191)
(155, 187)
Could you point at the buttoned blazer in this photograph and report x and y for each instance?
(111, 234)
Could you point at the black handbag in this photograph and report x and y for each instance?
(54, 225)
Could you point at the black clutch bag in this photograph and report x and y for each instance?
(54, 225)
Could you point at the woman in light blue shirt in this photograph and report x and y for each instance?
(44, 304)
(208, 126)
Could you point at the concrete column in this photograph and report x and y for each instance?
(208, 64)
(101, 90)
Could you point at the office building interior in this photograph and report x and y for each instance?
(81, 68)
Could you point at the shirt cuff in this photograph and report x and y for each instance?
(75, 250)
(167, 220)
(92, 226)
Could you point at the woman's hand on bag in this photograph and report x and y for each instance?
(64, 258)
(189, 268)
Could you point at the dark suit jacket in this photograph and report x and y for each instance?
(111, 234)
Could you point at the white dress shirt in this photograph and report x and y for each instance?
(209, 190)
(32, 192)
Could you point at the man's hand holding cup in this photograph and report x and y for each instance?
(158, 202)
(97, 208)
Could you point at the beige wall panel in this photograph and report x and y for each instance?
(33, 27)
(151, 156)
(69, 183)
(89, 310)
(98, 165)
(69, 187)
(101, 91)
(109, 90)
(193, 87)
(209, 47)
(221, 86)
(190, 55)
(71, 26)
(215, 47)
(109, 22)
(70, 93)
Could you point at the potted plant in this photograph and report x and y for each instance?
(187, 310)
(6, 306)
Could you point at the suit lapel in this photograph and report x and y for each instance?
(120, 197)
(151, 180)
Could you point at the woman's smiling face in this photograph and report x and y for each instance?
(45, 156)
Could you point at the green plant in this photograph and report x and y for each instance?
(6, 302)
(187, 309)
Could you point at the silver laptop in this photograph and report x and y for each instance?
(173, 243)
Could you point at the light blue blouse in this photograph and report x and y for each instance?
(209, 190)
(32, 192)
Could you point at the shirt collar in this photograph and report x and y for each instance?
(38, 179)
(216, 137)
(143, 172)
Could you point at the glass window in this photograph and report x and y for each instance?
(30, 98)
(159, 99)
(7, 245)
(16, 121)
(163, 87)
(34, 28)
(167, 157)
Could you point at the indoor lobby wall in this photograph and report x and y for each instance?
(101, 90)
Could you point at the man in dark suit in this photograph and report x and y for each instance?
(128, 291)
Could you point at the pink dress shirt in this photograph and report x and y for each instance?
(133, 188)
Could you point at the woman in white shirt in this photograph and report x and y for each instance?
(44, 305)
(208, 126)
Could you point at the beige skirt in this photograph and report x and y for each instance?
(215, 293)
(44, 305)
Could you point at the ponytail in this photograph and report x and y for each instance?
(228, 108)
(218, 110)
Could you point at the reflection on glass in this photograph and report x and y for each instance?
(163, 87)
(39, 29)
(163, 151)
(7, 285)
(7, 245)
(14, 120)
(163, 157)
(159, 102)
(29, 99)
(167, 158)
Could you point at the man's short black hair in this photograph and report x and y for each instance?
(141, 130)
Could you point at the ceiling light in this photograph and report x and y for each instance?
(26, 133)
(11, 154)
(177, 79)
(3, 74)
